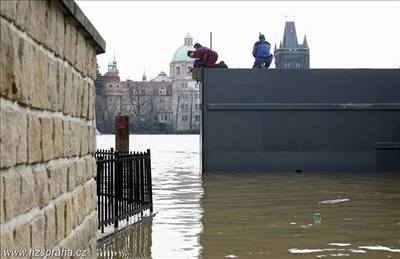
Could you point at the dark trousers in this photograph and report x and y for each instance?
(211, 59)
(258, 61)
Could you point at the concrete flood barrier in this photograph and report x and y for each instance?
(300, 120)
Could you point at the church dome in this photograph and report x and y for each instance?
(180, 54)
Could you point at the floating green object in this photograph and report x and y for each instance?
(317, 218)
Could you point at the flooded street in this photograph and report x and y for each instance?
(286, 215)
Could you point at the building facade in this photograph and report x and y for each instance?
(291, 54)
(161, 105)
(148, 104)
(186, 91)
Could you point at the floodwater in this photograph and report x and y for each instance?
(255, 215)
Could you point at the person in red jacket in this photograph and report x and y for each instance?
(205, 57)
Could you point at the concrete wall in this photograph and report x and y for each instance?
(48, 68)
(310, 120)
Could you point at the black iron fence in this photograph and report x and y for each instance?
(123, 185)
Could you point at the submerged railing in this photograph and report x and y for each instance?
(124, 187)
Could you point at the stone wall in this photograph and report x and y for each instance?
(48, 67)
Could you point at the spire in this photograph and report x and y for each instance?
(290, 36)
(188, 40)
(275, 47)
(305, 44)
(144, 75)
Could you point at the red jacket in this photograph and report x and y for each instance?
(205, 57)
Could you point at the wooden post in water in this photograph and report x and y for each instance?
(122, 133)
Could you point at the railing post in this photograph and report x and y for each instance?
(149, 181)
(117, 188)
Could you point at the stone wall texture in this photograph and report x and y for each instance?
(47, 187)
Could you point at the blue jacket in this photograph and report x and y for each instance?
(262, 49)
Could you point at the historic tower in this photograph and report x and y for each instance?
(291, 54)
(186, 92)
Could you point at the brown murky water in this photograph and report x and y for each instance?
(258, 215)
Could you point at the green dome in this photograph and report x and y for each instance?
(180, 54)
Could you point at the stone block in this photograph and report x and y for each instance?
(9, 10)
(37, 231)
(68, 91)
(60, 220)
(59, 37)
(84, 139)
(34, 139)
(12, 194)
(13, 137)
(74, 93)
(47, 138)
(80, 172)
(92, 62)
(37, 26)
(39, 96)
(67, 138)
(7, 239)
(57, 179)
(23, 71)
(23, 19)
(91, 104)
(80, 53)
(50, 227)
(2, 207)
(58, 137)
(51, 24)
(79, 95)
(28, 199)
(70, 41)
(22, 234)
(52, 83)
(71, 178)
(63, 179)
(8, 87)
(70, 219)
(82, 206)
(61, 70)
(85, 100)
(92, 139)
(76, 141)
(77, 213)
(41, 186)
(91, 200)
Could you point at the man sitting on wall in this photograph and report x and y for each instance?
(205, 57)
(261, 53)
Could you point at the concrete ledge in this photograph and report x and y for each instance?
(80, 17)
(303, 106)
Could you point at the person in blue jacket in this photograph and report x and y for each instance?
(261, 53)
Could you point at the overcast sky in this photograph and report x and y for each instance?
(340, 34)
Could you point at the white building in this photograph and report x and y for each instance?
(185, 91)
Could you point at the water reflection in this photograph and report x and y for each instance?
(260, 215)
(177, 191)
(133, 242)
(272, 216)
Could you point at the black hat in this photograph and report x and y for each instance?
(197, 45)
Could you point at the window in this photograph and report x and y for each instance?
(184, 118)
(184, 85)
(197, 118)
(186, 95)
(197, 106)
(188, 70)
(117, 85)
(185, 106)
(109, 85)
(178, 71)
(162, 107)
(161, 100)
